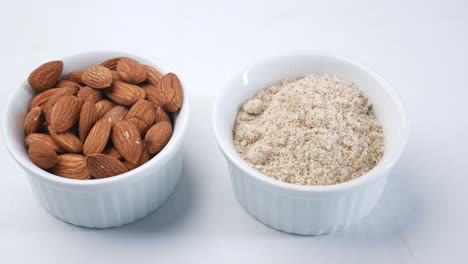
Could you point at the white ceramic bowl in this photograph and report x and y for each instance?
(308, 210)
(100, 203)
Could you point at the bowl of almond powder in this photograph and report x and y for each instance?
(309, 140)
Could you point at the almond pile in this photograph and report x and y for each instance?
(101, 121)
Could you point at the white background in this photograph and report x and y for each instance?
(421, 47)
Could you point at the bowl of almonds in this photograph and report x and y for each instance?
(99, 135)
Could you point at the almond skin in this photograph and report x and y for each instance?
(115, 76)
(144, 111)
(158, 136)
(111, 63)
(33, 120)
(116, 114)
(44, 97)
(42, 155)
(140, 125)
(154, 95)
(72, 166)
(102, 107)
(131, 71)
(47, 139)
(67, 83)
(103, 166)
(112, 152)
(123, 93)
(127, 140)
(67, 141)
(97, 76)
(161, 115)
(46, 75)
(88, 118)
(154, 76)
(172, 89)
(87, 92)
(75, 76)
(144, 157)
(65, 113)
(98, 137)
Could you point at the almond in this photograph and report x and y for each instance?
(144, 157)
(102, 107)
(116, 114)
(112, 152)
(98, 137)
(115, 76)
(127, 140)
(75, 76)
(46, 75)
(67, 140)
(154, 76)
(158, 136)
(47, 110)
(88, 117)
(161, 115)
(42, 98)
(72, 166)
(154, 95)
(33, 120)
(111, 63)
(42, 155)
(123, 93)
(97, 76)
(131, 71)
(140, 125)
(67, 83)
(47, 139)
(144, 111)
(172, 89)
(65, 113)
(86, 93)
(103, 166)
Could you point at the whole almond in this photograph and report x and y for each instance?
(140, 125)
(172, 89)
(161, 115)
(67, 140)
(87, 92)
(102, 107)
(158, 136)
(47, 108)
(68, 83)
(72, 166)
(97, 76)
(88, 117)
(112, 152)
(47, 139)
(144, 157)
(123, 93)
(46, 75)
(115, 76)
(131, 71)
(44, 97)
(75, 76)
(154, 76)
(144, 111)
(42, 155)
(103, 166)
(33, 120)
(154, 95)
(98, 137)
(111, 63)
(65, 113)
(127, 140)
(116, 114)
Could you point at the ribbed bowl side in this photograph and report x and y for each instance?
(111, 207)
(303, 215)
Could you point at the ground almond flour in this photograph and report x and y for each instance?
(316, 130)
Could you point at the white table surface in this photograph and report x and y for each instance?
(419, 46)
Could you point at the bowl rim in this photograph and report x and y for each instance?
(232, 156)
(166, 153)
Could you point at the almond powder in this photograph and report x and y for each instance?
(316, 130)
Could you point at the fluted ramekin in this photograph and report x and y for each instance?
(99, 203)
(308, 210)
